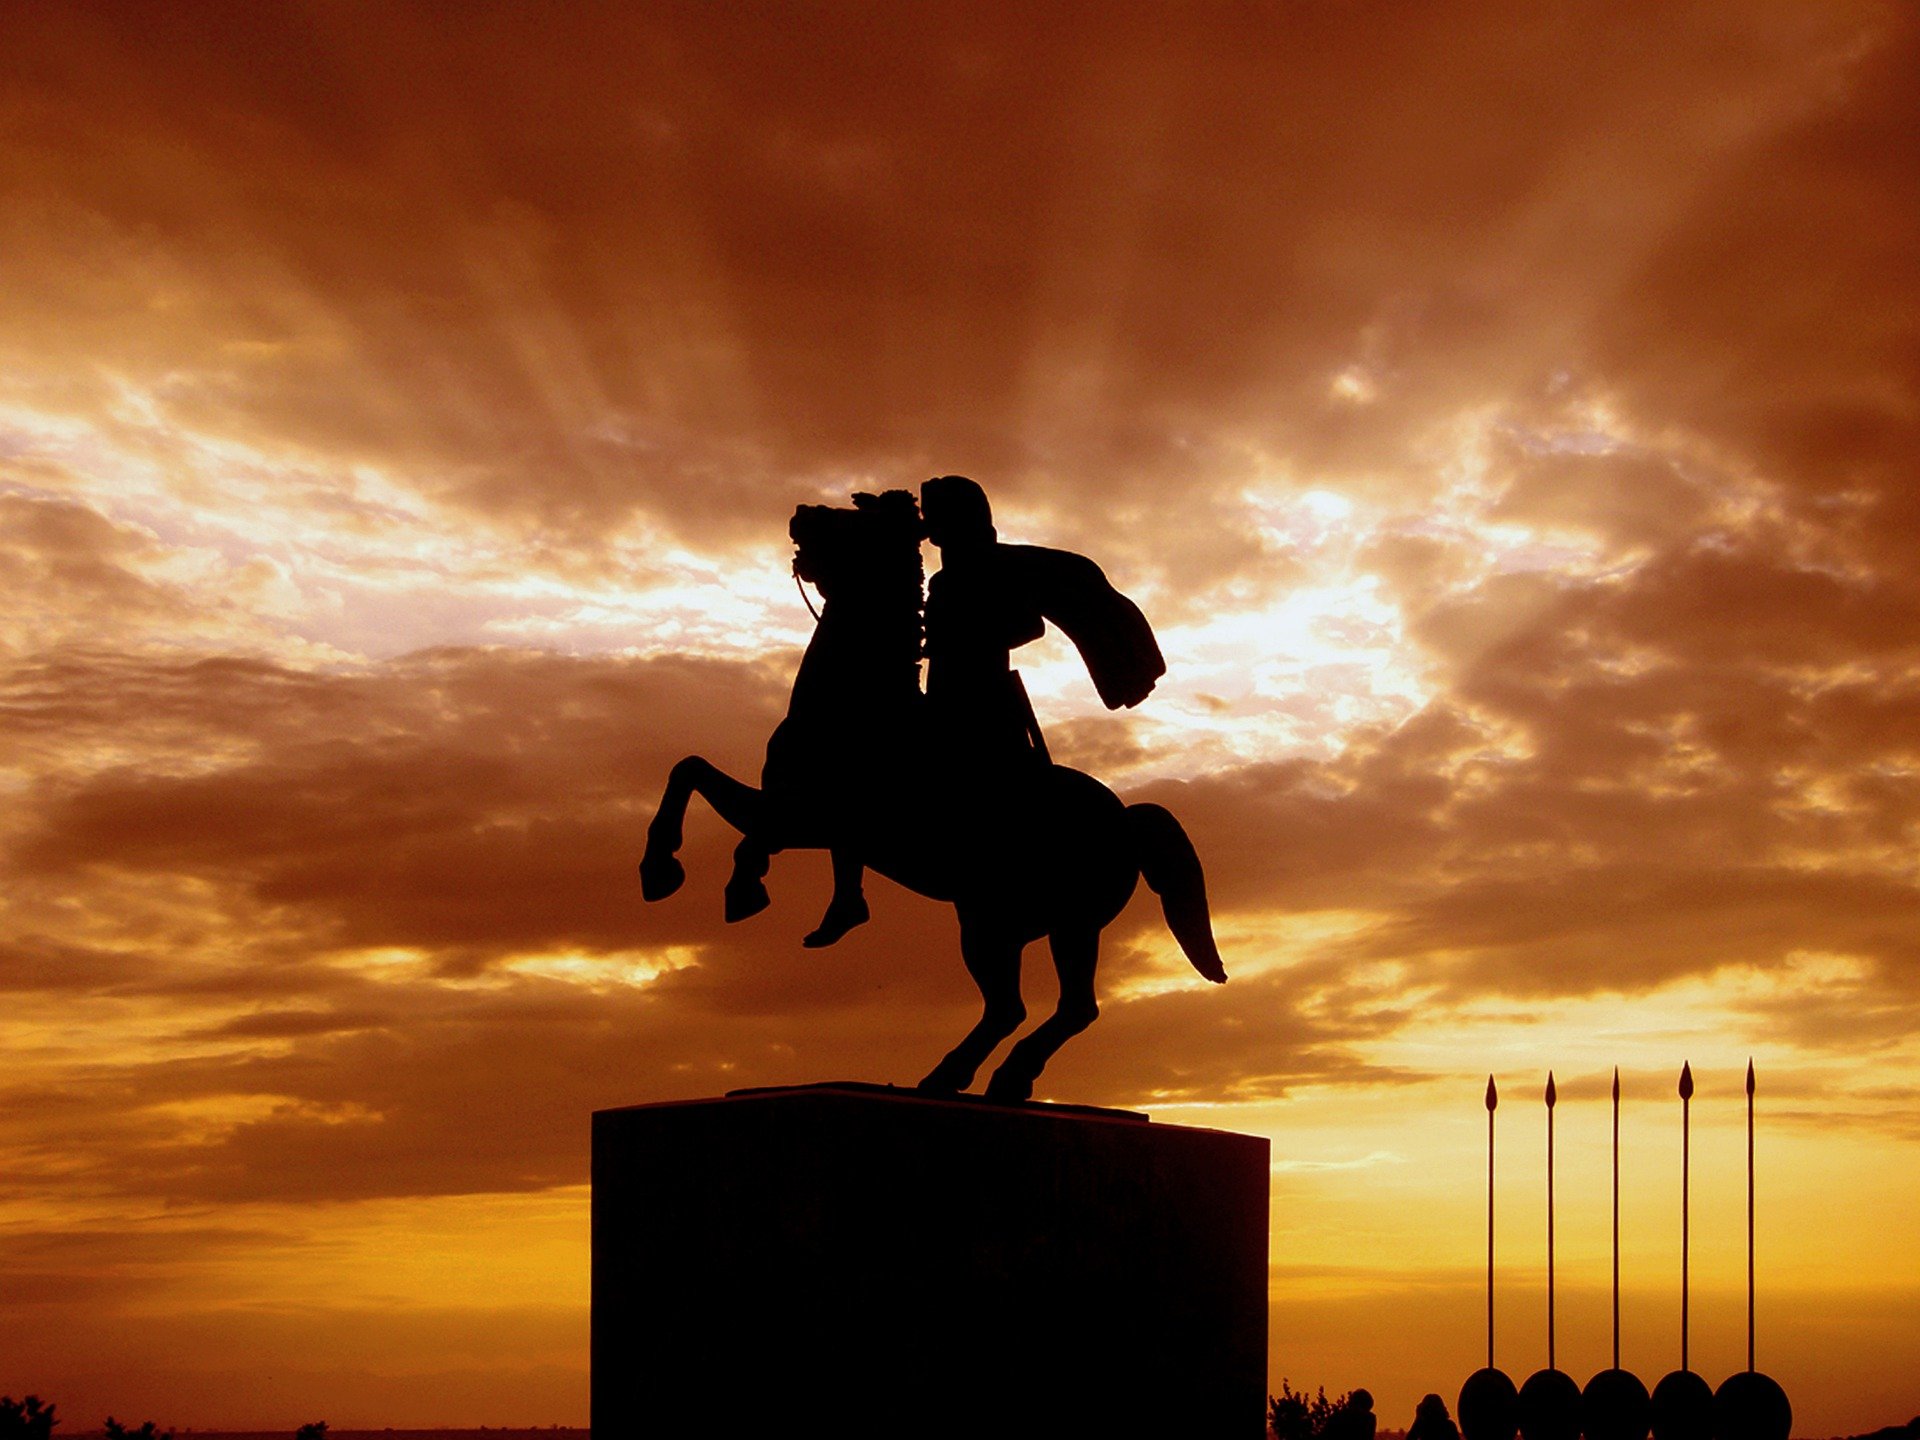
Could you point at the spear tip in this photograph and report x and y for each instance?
(1749, 1077)
(1552, 1094)
(1686, 1080)
(1493, 1095)
(1616, 1083)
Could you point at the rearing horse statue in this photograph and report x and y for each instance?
(1037, 850)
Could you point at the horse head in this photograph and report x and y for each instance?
(865, 560)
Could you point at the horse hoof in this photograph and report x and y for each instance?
(660, 876)
(943, 1081)
(1008, 1090)
(744, 898)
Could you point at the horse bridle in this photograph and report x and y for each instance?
(801, 586)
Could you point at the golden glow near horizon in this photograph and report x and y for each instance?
(1508, 431)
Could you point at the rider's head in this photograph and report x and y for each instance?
(956, 512)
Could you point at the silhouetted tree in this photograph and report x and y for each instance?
(28, 1419)
(1908, 1431)
(1294, 1415)
(314, 1430)
(147, 1431)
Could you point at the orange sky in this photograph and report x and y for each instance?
(1505, 413)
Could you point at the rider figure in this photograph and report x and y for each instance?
(986, 601)
(978, 613)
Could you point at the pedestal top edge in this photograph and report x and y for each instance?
(865, 1092)
(862, 1090)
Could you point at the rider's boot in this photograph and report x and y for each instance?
(847, 908)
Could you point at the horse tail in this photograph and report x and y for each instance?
(1172, 871)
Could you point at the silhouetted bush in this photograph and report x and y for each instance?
(1908, 1431)
(1294, 1415)
(313, 1430)
(28, 1419)
(147, 1431)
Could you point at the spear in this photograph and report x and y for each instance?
(1749, 1405)
(1550, 1100)
(1749, 1214)
(1493, 1100)
(1615, 1405)
(1683, 1404)
(1616, 1217)
(1686, 1169)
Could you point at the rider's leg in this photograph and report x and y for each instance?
(848, 907)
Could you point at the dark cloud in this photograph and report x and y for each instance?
(73, 561)
(473, 809)
(672, 261)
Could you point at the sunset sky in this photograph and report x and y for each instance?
(1505, 413)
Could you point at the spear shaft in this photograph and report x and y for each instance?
(1616, 1217)
(1749, 1215)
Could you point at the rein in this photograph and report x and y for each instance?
(801, 587)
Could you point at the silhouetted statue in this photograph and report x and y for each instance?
(951, 793)
(1432, 1422)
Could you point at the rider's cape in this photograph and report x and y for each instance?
(1107, 628)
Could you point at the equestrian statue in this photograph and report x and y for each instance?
(1020, 846)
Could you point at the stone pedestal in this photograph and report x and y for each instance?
(881, 1264)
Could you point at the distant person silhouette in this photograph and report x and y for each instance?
(1352, 1421)
(1432, 1422)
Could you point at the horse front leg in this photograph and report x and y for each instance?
(994, 962)
(737, 803)
(1075, 954)
(746, 892)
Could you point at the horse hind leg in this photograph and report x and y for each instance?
(1075, 955)
(994, 963)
